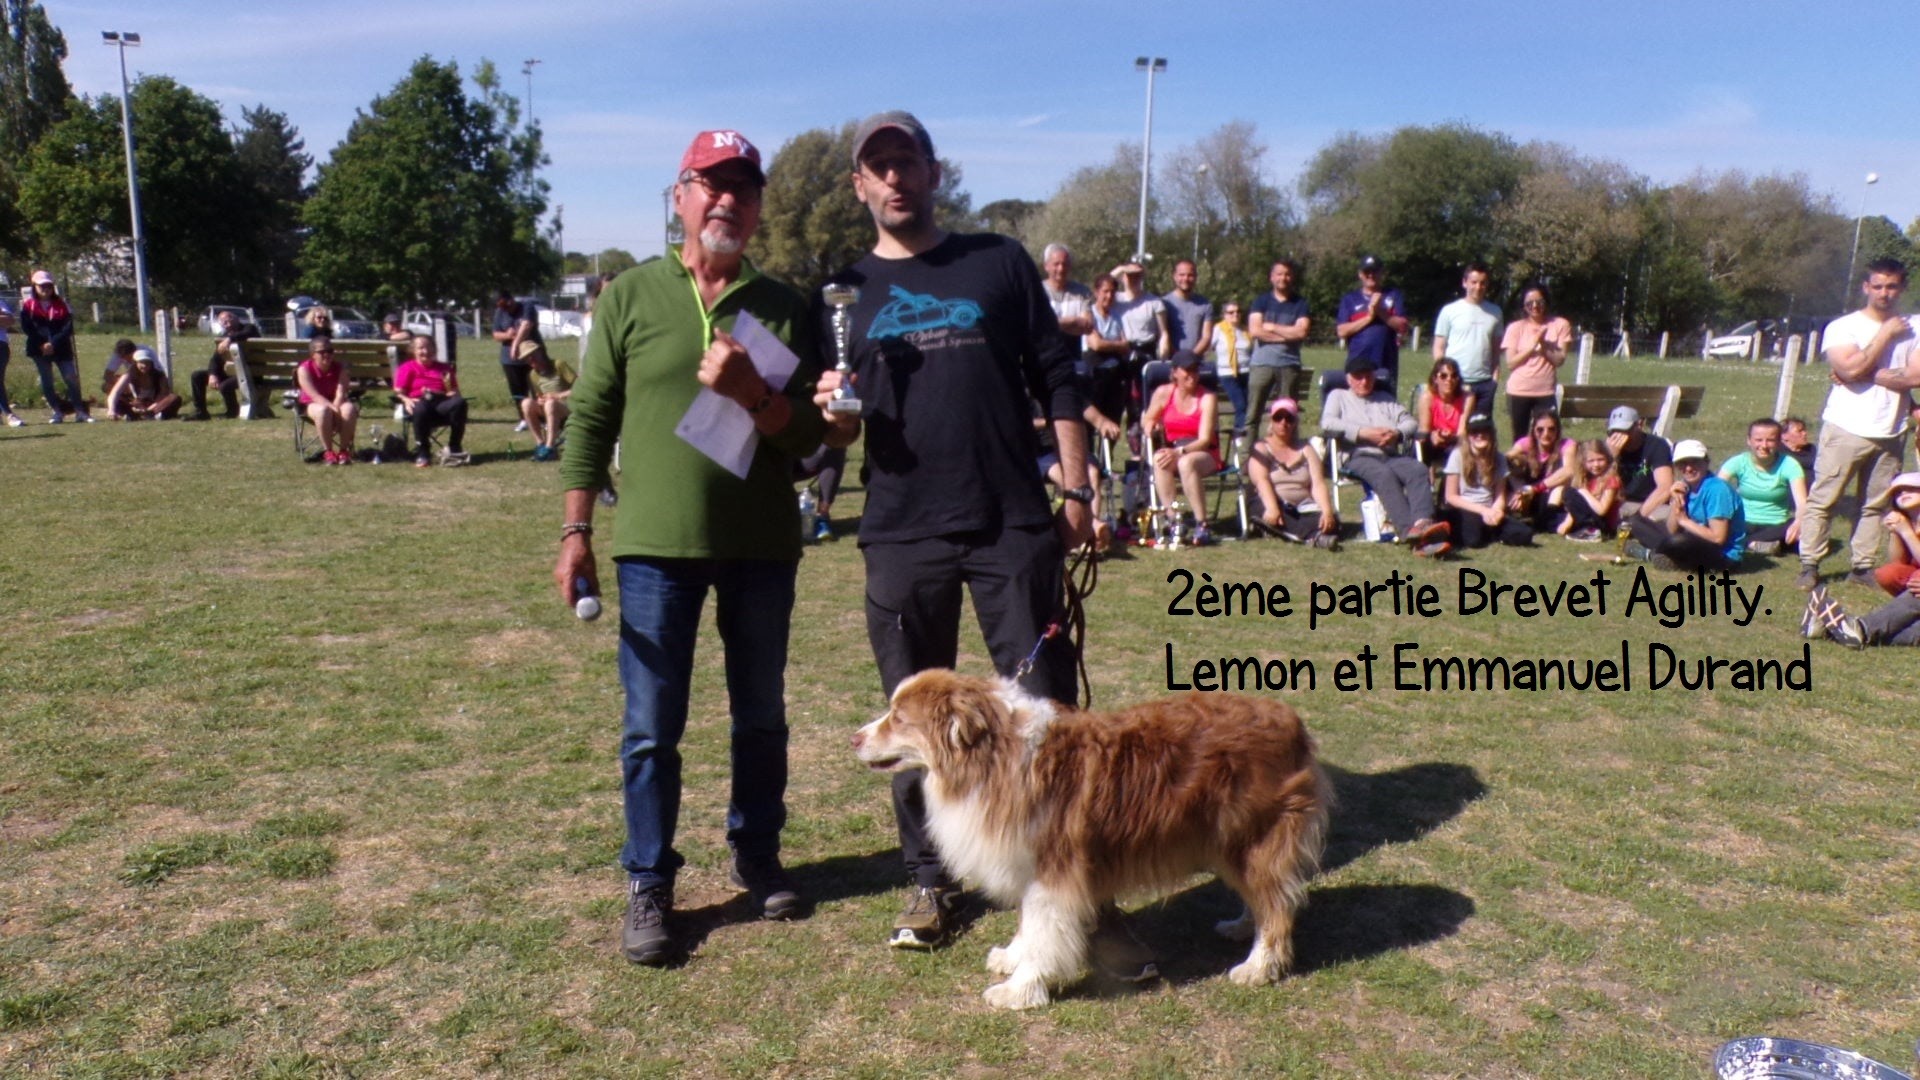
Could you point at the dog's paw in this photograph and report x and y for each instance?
(1016, 995)
(1254, 973)
(1240, 929)
(1001, 961)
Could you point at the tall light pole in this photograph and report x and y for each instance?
(1200, 189)
(1152, 66)
(1846, 287)
(120, 39)
(526, 68)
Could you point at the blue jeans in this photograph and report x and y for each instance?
(69, 371)
(6, 350)
(660, 602)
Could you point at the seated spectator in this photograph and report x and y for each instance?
(1797, 444)
(1290, 482)
(430, 393)
(219, 372)
(1896, 622)
(1090, 485)
(119, 362)
(1593, 505)
(1705, 527)
(143, 392)
(1188, 416)
(324, 384)
(1645, 464)
(1439, 408)
(1381, 430)
(1903, 540)
(1772, 489)
(550, 384)
(318, 320)
(391, 329)
(1553, 462)
(1476, 492)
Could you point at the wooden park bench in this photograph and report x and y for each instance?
(1660, 403)
(265, 366)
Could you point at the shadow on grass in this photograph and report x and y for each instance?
(1394, 807)
(825, 881)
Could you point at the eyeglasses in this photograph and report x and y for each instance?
(1445, 375)
(742, 188)
(323, 352)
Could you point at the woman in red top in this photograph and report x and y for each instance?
(1188, 414)
(323, 394)
(430, 392)
(1439, 408)
(48, 324)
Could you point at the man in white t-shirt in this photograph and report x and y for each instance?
(1862, 430)
(1467, 331)
(1072, 302)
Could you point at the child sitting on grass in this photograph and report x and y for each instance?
(1593, 510)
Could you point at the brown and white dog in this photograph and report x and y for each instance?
(1059, 810)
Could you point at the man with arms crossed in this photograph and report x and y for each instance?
(1278, 323)
(689, 526)
(1467, 331)
(1863, 430)
(952, 339)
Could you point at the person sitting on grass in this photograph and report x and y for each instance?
(1476, 492)
(1896, 622)
(1290, 482)
(1187, 415)
(119, 362)
(1797, 443)
(430, 392)
(549, 385)
(1705, 529)
(1553, 466)
(1380, 430)
(1903, 540)
(324, 383)
(144, 391)
(1772, 489)
(1593, 505)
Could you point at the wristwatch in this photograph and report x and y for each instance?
(1079, 494)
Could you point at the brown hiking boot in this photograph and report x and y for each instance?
(924, 923)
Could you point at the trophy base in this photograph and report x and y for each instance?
(844, 406)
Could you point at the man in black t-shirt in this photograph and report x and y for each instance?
(219, 370)
(953, 339)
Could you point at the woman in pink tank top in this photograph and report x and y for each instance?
(1187, 416)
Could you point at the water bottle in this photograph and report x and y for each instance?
(809, 512)
(587, 607)
(376, 444)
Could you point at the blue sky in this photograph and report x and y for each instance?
(1020, 94)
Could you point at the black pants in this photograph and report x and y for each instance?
(432, 412)
(1584, 515)
(1472, 530)
(1688, 551)
(826, 464)
(1520, 412)
(519, 382)
(202, 379)
(913, 623)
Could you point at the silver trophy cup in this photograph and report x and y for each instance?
(841, 298)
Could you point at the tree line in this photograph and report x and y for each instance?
(434, 196)
(1620, 254)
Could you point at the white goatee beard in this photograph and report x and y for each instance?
(721, 242)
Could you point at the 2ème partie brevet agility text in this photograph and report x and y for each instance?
(1406, 665)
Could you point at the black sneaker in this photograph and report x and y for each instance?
(767, 882)
(1809, 577)
(926, 919)
(1862, 578)
(643, 934)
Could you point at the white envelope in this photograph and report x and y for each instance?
(718, 426)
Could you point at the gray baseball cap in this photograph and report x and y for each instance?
(897, 119)
(1622, 418)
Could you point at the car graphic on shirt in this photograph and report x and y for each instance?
(909, 313)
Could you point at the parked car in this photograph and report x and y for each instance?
(421, 322)
(555, 323)
(1737, 343)
(210, 319)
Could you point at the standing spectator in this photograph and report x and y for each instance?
(1072, 302)
(1705, 528)
(1106, 351)
(429, 391)
(143, 391)
(324, 385)
(1644, 462)
(1862, 431)
(1278, 323)
(1771, 486)
(219, 370)
(6, 353)
(545, 410)
(48, 323)
(689, 527)
(1373, 318)
(1232, 349)
(954, 501)
(1287, 476)
(1467, 332)
(1189, 325)
(1149, 330)
(1476, 493)
(1440, 408)
(1536, 345)
(515, 323)
(1381, 431)
(1188, 416)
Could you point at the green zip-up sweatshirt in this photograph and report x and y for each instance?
(638, 380)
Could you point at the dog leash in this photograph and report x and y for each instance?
(1081, 577)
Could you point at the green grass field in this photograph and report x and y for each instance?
(306, 772)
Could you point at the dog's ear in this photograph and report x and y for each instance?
(968, 714)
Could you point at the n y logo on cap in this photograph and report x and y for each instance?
(732, 139)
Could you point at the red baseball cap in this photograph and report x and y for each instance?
(710, 148)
